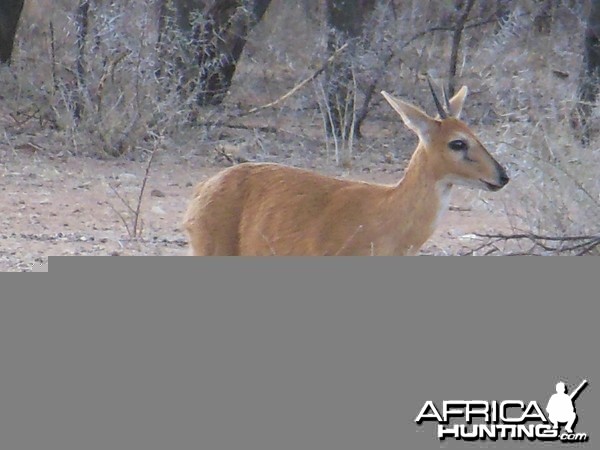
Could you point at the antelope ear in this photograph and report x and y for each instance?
(414, 118)
(457, 102)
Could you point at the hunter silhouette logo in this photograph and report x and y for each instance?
(508, 419)
(560, 406)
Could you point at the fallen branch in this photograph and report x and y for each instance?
(299, 86)
(575, 245)
(236, 126)
(267, 129)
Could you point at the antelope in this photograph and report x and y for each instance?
(266, 209)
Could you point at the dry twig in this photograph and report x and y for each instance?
(539, 244)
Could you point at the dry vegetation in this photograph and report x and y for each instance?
(522, 74)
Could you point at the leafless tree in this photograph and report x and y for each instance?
(217, 31)
(464, 9)
(10, 12)
(345, 21)
(82, 24)
(590, 78)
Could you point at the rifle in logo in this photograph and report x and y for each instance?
(576, 392)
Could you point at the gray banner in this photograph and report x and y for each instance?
(277, 354)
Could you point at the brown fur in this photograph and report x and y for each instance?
(270, 209)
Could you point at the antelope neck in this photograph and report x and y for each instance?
(419, 200)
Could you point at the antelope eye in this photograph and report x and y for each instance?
(458, 145)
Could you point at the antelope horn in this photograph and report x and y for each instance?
(446, 101)
(443, 114)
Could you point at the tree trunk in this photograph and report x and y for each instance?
(82, 18)
(590, 78)
(10, 12)
(465, 10)
(345, 21)
(217, 31)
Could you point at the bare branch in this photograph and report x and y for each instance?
(300, 85)
(575, 245)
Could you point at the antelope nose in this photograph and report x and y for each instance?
(503, 178)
